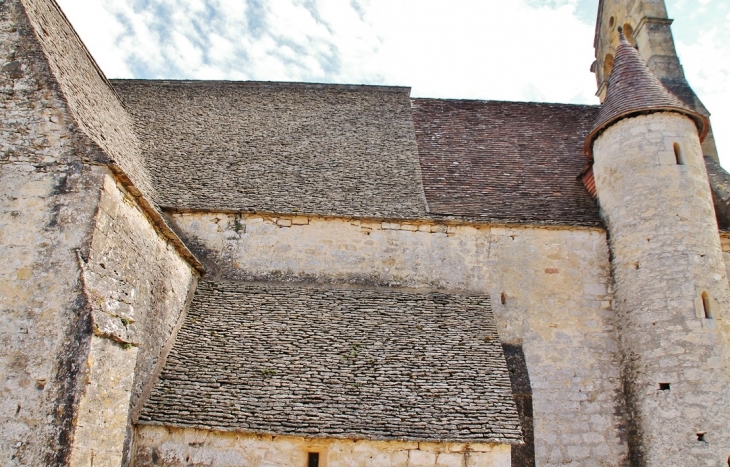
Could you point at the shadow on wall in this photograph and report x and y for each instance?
(524, 455)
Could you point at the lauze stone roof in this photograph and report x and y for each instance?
(360, 151)
(343, 363)
(279, 147)
(91, 100)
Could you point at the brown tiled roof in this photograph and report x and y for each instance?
(634, 89)
(511, 162)
(338, 362)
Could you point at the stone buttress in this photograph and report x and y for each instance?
(93, 281)
(671, 285)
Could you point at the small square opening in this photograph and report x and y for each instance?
(664, 387)
(701, 436)
(313, 459)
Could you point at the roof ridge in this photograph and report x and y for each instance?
(500, 101)
(265, 84)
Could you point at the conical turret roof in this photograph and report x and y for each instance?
(634, 89)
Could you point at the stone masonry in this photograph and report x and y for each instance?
(137, 286)
(46, 217)
(179, 446)
(59, 147)
(667, 254)
(551, 290)
(647, 26)
(467, 232)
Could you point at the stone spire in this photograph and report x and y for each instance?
(634, 89)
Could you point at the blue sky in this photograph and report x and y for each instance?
(534, 50)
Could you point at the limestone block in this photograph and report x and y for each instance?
(450, 460)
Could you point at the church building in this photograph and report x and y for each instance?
(264, 274)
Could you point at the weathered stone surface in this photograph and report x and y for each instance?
(74, 362)
(557, 300)
(667, 253)
(137, 285)
(50, 143)
(179, 447)
(719, 180)
(341, 363)
(647, 26)
(92, 103)
(633, 89)
(351, 151)
(47, 205)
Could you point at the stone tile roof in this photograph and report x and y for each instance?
(633, 89)
(354, 151)
(719, 180)
(91, 99)
(343, 363)
(278, 147)
(505, 161)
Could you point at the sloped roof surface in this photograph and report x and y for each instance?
(344, 363)
(361, 151)
(91, 100)
(505, 161)
(720, 185)
(278, 147)
(633, 88)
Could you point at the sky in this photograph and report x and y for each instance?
(517, 50)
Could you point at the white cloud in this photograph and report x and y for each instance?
(99, 29)
(485, 49)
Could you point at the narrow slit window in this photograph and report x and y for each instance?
(678, 154)
(313, 459)
(706, 306)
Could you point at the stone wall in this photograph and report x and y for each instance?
(45, 218)
(667, 256)
(50, 143)
(137, 286)
(161, 446)
(551, 293)
(48, 201)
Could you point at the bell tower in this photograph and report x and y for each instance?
(646, 26)
(671, 287)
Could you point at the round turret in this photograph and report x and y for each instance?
(671, 288)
